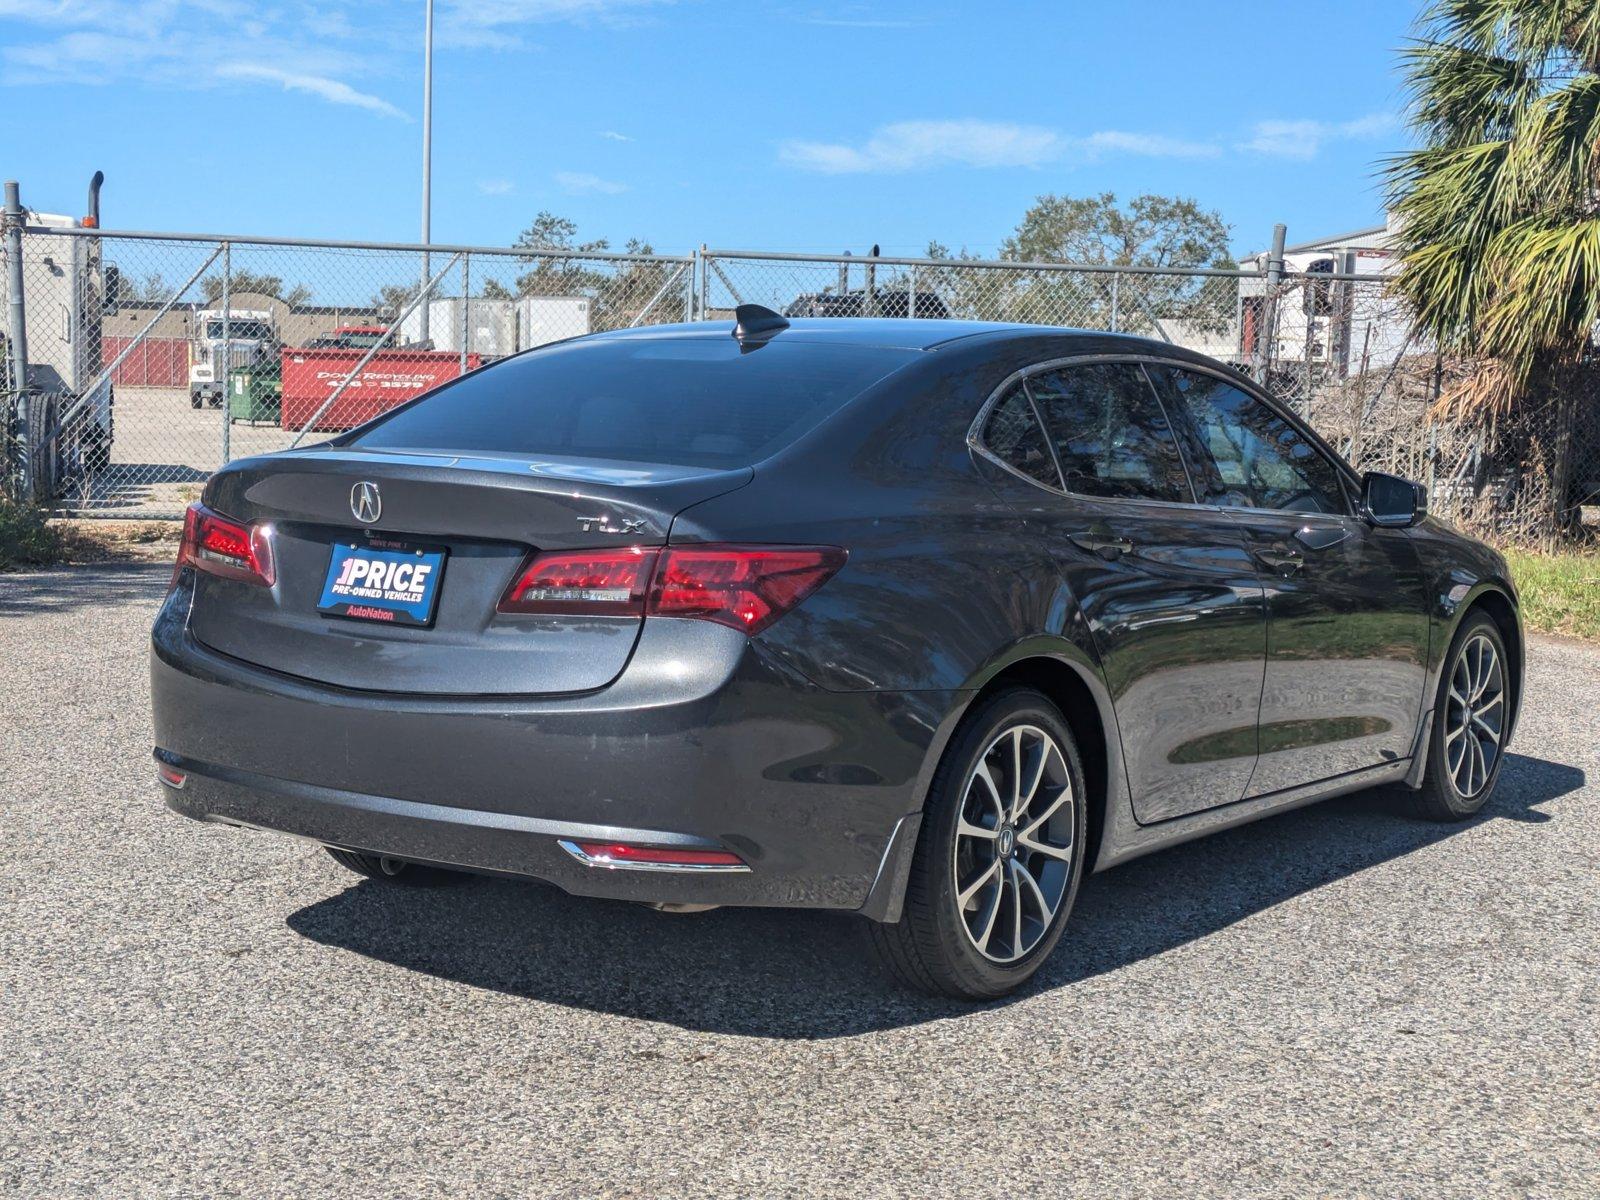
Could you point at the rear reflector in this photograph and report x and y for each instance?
(745, 587)
(219, 546)
(596, 582)
(171, 776)
(661, 858)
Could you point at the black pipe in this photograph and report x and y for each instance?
(93, 219)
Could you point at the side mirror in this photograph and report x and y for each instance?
(1392, 502)
(111, 302)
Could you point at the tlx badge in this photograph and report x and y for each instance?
(607, 525)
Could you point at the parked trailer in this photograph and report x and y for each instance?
(491, 326)
(66, 295)
(545, 319)
(311, 375)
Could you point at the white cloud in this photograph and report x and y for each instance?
(334, 91)
(917, 145)
(581, 183)
(611, 135)
(1147, 145)
(1303, 140)
(496, 187)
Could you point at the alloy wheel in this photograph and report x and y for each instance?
(1474, 715)
(1014, 842)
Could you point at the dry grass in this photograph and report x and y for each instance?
(86, 541)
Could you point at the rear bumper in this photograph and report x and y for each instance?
(705, 741)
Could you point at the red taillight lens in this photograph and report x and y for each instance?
(214, 544)
(621, 852)
(747, 587)
(594, 582)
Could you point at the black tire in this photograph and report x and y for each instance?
(391, 870)
(1441, 798)
(195, 400)
(49, 460)
(932, 947)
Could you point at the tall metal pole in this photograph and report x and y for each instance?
(227, 350)
(17, 331)
(427, 158)
(1267, 318)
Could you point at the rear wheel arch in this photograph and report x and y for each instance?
(1071, 692)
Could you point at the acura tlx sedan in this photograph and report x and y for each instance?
(921, 620)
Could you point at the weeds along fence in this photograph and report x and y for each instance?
(153, 359)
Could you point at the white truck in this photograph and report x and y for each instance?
(66, 295)
(1339, 325)
(251, 335)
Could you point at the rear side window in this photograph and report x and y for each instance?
(1013, 436)
(692, 401)
(1110, 433)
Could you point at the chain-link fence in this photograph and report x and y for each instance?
(154, 359)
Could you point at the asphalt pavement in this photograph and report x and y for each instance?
(1339, 1001)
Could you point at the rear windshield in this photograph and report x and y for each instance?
(697, 401)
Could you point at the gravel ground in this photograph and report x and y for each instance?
(1339, 1001)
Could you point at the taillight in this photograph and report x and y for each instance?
(592, 582)
(745, 587)
(218, 546)
(656, 858)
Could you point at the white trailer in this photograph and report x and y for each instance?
(491, 326)
(545, 319)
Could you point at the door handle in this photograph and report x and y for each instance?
(1103, 542)
(1282, 557)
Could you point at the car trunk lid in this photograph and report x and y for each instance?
(485, 514)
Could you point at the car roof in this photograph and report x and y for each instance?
(883, 332)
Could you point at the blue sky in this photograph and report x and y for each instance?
(811, 126)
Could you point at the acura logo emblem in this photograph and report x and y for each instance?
(365, 502)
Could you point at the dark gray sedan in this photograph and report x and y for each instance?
(917, 619)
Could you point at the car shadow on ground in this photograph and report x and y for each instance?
(791, 974)
(98, 586)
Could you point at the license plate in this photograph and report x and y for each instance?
(400, 587)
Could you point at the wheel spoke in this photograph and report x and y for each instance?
(1032, 827)
(1026, 876)
(982, 774)
(984, 876)
(966, 828)
(1486, 729)
(1016, 914)
(1016, 773)
(983, 936)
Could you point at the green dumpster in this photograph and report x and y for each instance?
(255, 392)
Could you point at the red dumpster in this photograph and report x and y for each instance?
(392, 377)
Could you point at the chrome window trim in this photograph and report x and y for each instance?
(976, 444)
(607, 863)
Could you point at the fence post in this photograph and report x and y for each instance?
(17, 331)
(466, 304)
(227, 350)
(1116, 301)
(705, 281)
(911, 298)
(688, 286)
(1267, 318)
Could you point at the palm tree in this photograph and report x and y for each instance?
(1500, 206)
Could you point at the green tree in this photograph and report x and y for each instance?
(1096, 231)
(1149, 231)
(1500, 204)
(240, 282)
(618, 291)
